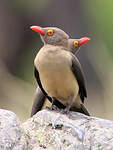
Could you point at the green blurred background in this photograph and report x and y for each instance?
(19, 45)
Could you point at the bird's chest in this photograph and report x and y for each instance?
(51, 61)
(55, 73)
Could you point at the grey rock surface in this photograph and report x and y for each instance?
(53, 130)
(12, 135)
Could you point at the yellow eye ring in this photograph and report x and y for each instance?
(75, 43)
(50, 32)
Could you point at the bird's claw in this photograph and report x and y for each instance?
(53, 107)
(65, 111)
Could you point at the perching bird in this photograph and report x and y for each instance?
(40, 101)
(75, 44)
(58, 72)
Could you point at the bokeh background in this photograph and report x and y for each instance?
(19, 45)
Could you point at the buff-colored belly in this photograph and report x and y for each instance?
(59, 84)
(56, 76)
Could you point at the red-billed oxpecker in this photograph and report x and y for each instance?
(58, 71)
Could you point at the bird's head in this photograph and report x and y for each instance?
(75, 44)
(52, 35)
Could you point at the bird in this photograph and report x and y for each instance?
(75, 44)
(40, 100)
(58, 71)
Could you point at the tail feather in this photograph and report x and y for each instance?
(81, 109)
(38, 102)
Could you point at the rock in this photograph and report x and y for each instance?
(52, 130)
(12, 135)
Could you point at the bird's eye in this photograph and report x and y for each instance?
(75, 43)
(50, 32)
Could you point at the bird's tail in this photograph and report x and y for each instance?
(38, 102)
(84, 110)
(81, 109)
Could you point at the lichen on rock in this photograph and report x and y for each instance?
(53, 130)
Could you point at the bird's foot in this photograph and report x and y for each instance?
(53, 107)
(65, 111)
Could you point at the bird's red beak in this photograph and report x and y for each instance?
(84, 40)
(37, 29)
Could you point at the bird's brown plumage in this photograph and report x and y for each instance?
(59, 76)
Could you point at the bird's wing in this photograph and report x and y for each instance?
(40, 85)
(78, 73)
(56, 102)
